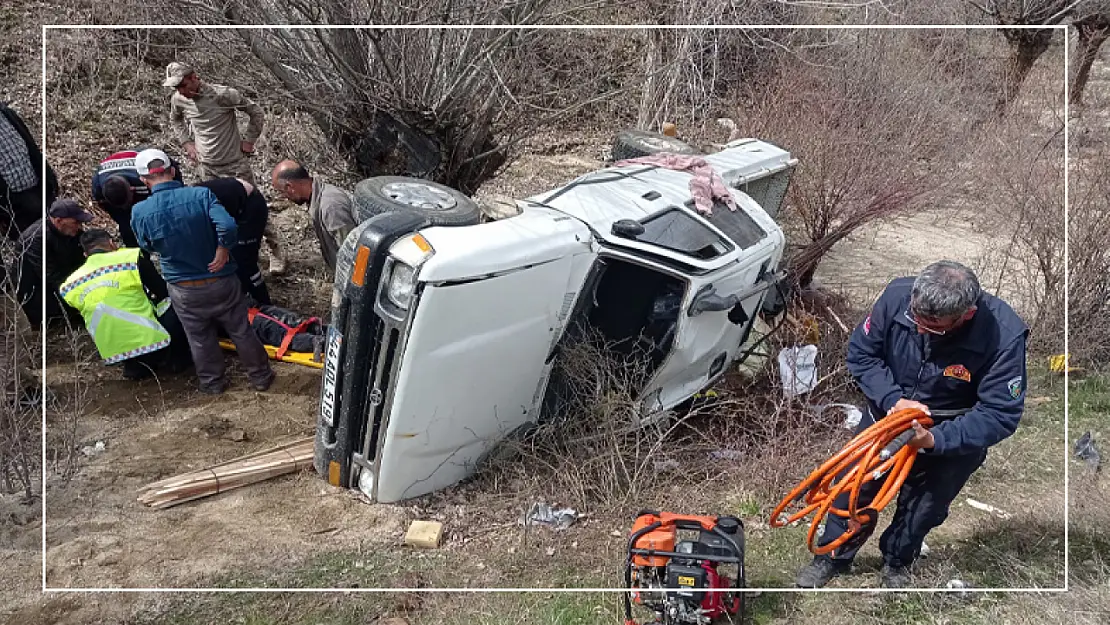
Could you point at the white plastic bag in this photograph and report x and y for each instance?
(798, 367)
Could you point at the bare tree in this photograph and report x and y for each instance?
(874, 124)
(1092, 31)
(443, 104)
(1090, 17)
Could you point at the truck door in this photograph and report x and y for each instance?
(719, 305)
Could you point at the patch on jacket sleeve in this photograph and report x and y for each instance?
(1015, 387)
(867, 325)
(959, 372)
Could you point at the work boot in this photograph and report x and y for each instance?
(264, 386)
(215, 389)
(894, 576)
(818, 573)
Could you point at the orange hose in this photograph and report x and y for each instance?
(864, 460)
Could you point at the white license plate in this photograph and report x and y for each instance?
(331, 375)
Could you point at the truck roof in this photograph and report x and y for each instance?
(635, 191)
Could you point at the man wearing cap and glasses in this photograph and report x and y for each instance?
(214, 143)
(940, 344)
(193, 235)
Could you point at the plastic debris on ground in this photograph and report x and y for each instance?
(798, 368)
(92, 450)
(958, 584)
(542, 514)
(978, 505)
(1086, 451)
(852, 414)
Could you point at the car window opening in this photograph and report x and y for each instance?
(633, 312)
(737, 224)
(679, 232)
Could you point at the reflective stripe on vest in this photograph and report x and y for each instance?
(103, 309)
(108, 292)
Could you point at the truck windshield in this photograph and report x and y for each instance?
(677, 231)
(737, 224)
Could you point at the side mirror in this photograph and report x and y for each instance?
(707, 300)
(627, 228)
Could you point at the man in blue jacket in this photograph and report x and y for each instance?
(940, 344)
(193, 235)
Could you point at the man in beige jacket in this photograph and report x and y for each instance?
(204, 123)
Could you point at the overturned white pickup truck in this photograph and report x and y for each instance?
(445, 326)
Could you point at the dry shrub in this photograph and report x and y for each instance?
(451, 105)
(1015, 180)
(877, 126)
(593, 450)
(70, 399)
(1089, 261)
(588, 447)
(20, 416)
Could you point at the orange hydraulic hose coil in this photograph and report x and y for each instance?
(879, 450)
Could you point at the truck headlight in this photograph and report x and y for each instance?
(366, 482)
(402, 283)
(407, 256)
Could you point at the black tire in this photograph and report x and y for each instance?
(377, 195)
(637, 143)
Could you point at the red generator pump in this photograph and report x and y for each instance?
(678, 567)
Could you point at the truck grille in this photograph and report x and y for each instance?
(378, 387)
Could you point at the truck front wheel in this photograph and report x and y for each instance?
(442, 205)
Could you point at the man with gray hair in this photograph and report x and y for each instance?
(940, 344)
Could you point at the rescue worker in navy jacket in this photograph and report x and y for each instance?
(939, 344)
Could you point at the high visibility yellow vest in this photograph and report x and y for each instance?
(109, 294)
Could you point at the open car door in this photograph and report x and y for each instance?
(477, 348)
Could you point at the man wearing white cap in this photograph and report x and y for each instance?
(192, 233)
(204, 122)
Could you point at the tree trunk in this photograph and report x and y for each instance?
(1092, 34)
(1027, 46)
(652, 61)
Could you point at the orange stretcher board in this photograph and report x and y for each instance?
(296, 358)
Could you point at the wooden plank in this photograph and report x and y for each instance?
(249, 469)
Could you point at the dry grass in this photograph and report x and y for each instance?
(591, 452)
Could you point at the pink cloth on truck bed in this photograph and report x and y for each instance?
(705, 185)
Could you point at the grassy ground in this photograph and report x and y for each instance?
(1023, 477)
